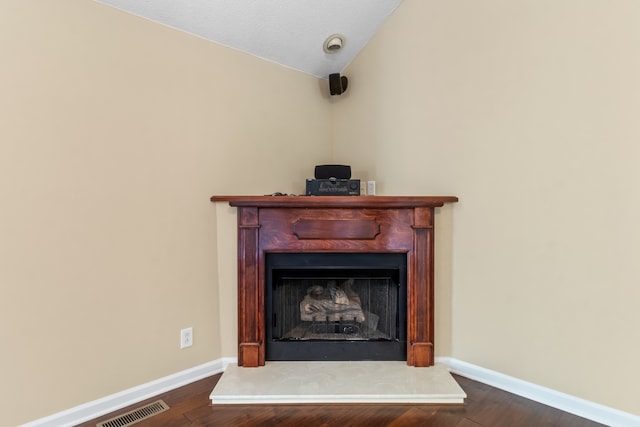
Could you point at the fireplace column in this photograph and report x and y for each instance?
(420, 291)
(250, 290)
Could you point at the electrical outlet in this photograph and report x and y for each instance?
(371, 188)
(186, 337)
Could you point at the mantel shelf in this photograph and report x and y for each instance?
(336, 201)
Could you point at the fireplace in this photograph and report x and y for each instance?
(314, 270)
(335, 306)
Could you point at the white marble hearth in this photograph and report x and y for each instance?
(337, 382)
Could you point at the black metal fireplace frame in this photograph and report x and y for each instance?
(337, 350)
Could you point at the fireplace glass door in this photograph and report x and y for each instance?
(335, 306)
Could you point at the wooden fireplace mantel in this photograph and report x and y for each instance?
(383, 202)
(349, 224)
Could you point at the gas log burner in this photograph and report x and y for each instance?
(336, 306)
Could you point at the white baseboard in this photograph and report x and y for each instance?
(583, 408)
(567, 403)
(105, 405)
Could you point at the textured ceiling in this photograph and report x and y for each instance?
(288, 32)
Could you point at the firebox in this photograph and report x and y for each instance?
(335, 306)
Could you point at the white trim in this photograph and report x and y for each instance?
(111, 403)
(565, 402)
(583, 408)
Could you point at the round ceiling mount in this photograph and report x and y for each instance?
(333, 43)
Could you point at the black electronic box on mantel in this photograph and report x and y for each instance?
(333, 180)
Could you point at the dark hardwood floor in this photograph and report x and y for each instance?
(485, 406)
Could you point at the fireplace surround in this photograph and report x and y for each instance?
(342, 227)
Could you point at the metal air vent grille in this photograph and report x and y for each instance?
(136, 415)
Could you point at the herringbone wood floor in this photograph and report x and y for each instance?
(485, 406)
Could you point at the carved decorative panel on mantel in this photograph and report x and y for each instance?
(353, 224)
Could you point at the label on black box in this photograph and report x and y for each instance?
(333, 187)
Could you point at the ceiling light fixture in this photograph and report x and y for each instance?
(333, 43)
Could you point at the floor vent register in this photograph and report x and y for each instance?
(136, 415)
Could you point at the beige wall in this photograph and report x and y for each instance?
(528, 111)
(114, 133)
